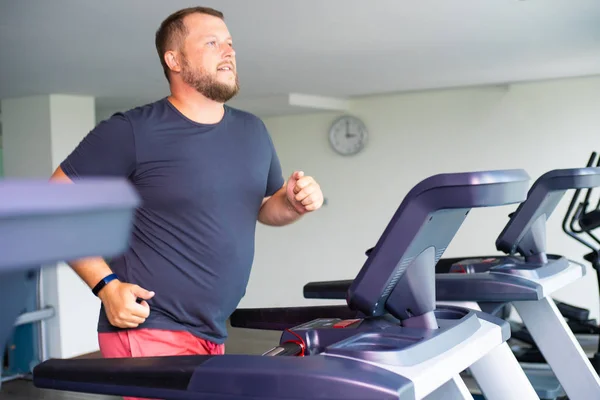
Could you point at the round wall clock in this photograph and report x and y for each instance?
(348, 135)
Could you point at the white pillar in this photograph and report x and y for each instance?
(38, 133)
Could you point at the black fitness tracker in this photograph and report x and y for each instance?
(103, 283)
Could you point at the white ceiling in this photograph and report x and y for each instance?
(310, 48)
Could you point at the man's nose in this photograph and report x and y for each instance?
(228, 51)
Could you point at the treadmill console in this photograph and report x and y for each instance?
(525, 233)
(398, 276)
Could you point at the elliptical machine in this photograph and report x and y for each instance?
(587, 221)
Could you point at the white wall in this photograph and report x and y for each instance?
(26, 137)
(536, 126)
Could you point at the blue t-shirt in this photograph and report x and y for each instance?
(201, 187)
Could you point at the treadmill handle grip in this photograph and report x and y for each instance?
(334, 290)
(286, 349)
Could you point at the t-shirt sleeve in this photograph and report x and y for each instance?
(107, 150)
(275, 178)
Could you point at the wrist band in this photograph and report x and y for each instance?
(103, 283)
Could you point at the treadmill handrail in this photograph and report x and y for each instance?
(225, 376)
(35, 197)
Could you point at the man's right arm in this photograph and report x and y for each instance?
(108, 150)
(92, 269)
(118, 298)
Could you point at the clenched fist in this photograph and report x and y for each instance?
(121, 306)
(303, 193)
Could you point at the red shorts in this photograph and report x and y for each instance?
(154, 342)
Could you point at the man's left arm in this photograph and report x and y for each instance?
(298, 196)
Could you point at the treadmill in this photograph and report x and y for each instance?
(42, 223)
(389, 342)
(526, 281)
(528, 276)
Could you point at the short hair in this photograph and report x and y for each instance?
(172, 31)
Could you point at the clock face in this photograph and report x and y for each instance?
(348, 135)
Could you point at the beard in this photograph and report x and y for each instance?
(207, 84)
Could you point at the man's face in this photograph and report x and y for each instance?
(208, 59)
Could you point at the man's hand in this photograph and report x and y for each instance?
(120, 303)
(303, 193)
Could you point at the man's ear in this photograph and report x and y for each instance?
(172, 60)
